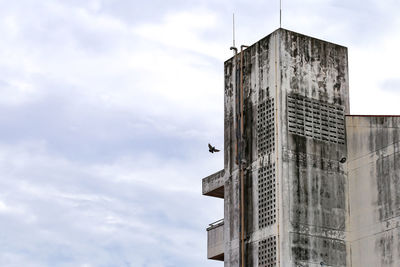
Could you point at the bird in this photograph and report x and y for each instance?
(343, 160)
(212, 149)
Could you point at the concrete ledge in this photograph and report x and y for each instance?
(215, 241)
(213, 185)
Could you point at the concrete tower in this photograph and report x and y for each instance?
(287, 195)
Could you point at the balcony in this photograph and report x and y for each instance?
(215, 241)
(213, 185)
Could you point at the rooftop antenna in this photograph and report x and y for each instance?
(233, 24)
(233, 47)
(280, 13)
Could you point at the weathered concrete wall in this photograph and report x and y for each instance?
(312, 104)
(295, 187)
(374, 190)
(215, 242)
(258, 80)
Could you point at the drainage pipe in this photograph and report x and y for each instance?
(242, 160)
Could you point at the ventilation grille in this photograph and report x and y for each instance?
(266, 127)
(266, 196)
(314, 119)
(267, 252)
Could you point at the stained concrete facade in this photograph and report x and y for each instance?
(374, 190)
(303, 177)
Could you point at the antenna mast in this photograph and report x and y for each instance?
(233, 23)
(280, 13)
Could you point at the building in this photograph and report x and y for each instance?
(304, 183)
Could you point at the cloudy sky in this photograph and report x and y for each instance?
(107, 106)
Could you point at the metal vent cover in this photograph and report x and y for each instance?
(315, 119)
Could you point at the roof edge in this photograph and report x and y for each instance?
(283, 29)
(378, 116)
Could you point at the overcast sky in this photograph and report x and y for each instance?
(106, 109)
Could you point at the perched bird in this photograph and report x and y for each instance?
(212, 149)
(342, 160)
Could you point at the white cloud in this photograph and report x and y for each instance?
(183, 31)
(112, 207)
(371, 67)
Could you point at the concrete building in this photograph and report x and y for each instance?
(304, 183)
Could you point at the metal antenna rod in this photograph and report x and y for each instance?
(233, 23)
(280, 13)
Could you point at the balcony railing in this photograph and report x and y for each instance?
(215, 224)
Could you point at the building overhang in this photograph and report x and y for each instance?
(213, 185)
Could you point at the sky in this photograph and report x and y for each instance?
(107, 106)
